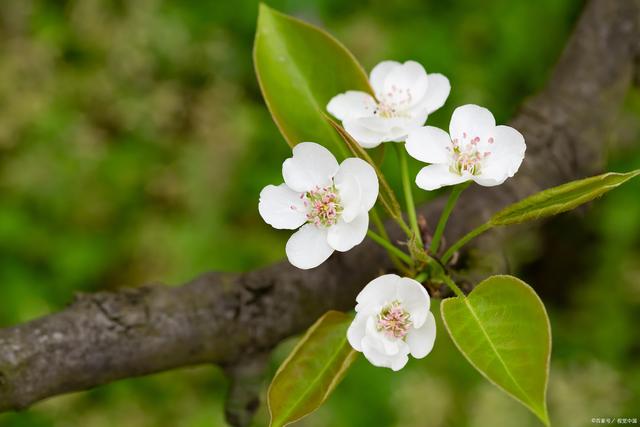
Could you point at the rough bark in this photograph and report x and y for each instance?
(223, 318)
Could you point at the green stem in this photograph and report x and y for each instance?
(464, 240)
(408, 194)
(404, 226)
(377, 222)
(444, 217)
(421, 277)
(452, 285)
(389, 247)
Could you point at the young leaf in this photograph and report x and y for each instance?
(312, 370)
(300, 68)
(561, 199)
(547, 203)
(503, 330)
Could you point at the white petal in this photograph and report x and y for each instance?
(405, 85)
(433, 177)
(436, 95)
(365, 177)
(311, 165)
(415, 299)
(421, 340)
(379, 74)
(345, 235)
(374, 353)
(308, 247)
(350, 196)
(386, 345)
(507, 153)
(352, 104)
(400, 127)
(362, 133)
(377, 292)
(430, 145)
(470, 121)
(281, 207)
(356, 331)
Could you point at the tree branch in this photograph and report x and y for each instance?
(222, 318)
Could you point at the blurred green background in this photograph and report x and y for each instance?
(134, 143)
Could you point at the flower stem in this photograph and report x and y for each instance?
(385, 243)
(444, 217)
(421, 277)
(452, 285)
(408, 194)
(464, 240)
(377, 222)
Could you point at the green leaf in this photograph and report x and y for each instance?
(503, 330)
(547, 203)
(312, 370)
(300, 68)
(561, 199)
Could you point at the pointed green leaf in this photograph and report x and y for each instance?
(503, 330)
(312, 370)
(547, 203)
(300, 68)
(561, 199)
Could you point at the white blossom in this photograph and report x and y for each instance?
(327, 201)
(475, 149)
(392, 321)
(404, 96)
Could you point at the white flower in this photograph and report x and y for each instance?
(405, 96)
(475, 149)
(392, 321)
(331, 200)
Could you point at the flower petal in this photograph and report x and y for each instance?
(436, 95)
(429, 144)
(405, 85)
(356, 331)
(421, 340)
(350, 196)
(311, 165)
(379, 74)
(374, 352)
(433, 177)
(377, 292)
(281, 207)
(415, 299)
(469, 121)
(345, 235)
(360, 130)
(507, 153)
(365, 177)
(351, 105)
(308, 247)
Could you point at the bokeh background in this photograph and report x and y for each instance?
(134, 142)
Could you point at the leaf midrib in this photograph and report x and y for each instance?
(495, 350)
(333, 357)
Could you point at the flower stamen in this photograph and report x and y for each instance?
(394, 321)
(323, 206)
(467, 157)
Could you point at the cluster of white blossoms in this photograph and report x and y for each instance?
(330, 203)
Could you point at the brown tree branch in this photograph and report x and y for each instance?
(222, 318)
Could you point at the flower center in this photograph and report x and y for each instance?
(323, 206)
(393, 103)
(467, 157)
(393, 320)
